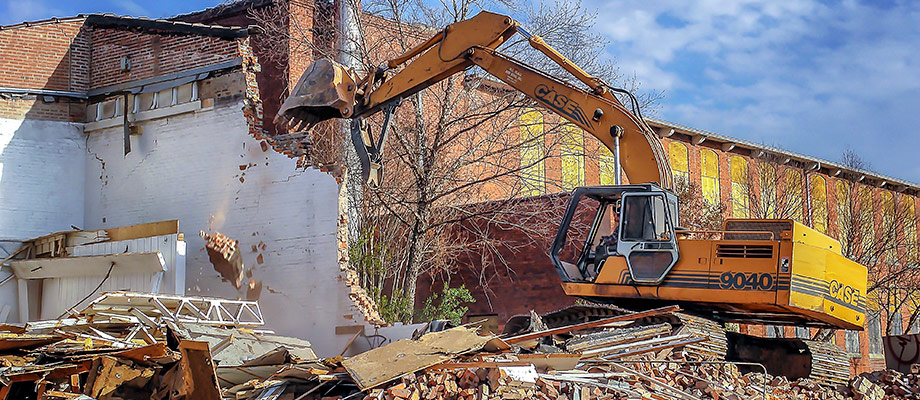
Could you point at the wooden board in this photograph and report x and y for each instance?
(125, 263)
(144, 230)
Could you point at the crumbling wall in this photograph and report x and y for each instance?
(207, 171)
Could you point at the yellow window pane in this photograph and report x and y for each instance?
(573, 160)
(677, 154)
(768, 188)
(866, 218)
(910, 229)
(886, 199)
(819, 203)
(709, 180)
(533, 173)
(607, 167)
(794, 194)
(844, 216)
(740, 206)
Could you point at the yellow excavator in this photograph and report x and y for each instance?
(636, 254)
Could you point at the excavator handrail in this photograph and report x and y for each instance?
(723, 232)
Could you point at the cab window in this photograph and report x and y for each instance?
(644, 219)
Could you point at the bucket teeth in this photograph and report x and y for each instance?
(326, 90)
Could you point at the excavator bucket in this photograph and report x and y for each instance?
(326, 90)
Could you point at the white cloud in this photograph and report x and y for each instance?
(810, 77)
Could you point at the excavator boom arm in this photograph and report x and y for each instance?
(327, 90)
(642, 157)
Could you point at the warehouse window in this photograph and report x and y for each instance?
(740, 206)
(886, 200)
(680, 164)
(910, 229)
(573, 157)
(897, 325)
(844, 216)
(533, 173)
(852, 342)
(819, 203)
(709, 181)
(874, 330)
(864, 222)
(768, 189)
(607, 167)
(794, 195)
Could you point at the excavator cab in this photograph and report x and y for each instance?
(635, 224)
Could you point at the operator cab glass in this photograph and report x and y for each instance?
(633, 223)
(647, 238)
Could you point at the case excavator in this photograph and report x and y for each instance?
(635, 254)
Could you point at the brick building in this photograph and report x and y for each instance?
(108, 121)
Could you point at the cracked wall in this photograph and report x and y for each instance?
(206, 170)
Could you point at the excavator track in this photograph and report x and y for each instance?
(713, 349)
(823, 362)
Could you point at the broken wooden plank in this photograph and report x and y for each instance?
(143, 230)
(393, 360)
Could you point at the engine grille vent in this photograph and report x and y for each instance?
(777, 227)
(744, 251)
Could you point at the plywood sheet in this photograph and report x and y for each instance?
(388, 362)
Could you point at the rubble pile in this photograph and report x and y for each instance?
(888, 384)
(147, 346)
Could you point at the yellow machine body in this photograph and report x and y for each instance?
(790, 273)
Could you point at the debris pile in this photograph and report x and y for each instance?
(129, 345)
(887, 384)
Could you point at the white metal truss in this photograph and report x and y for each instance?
(152, 309)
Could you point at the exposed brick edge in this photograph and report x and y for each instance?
(252, 110)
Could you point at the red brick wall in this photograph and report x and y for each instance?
(524, 280)
(152, 55)
(272, 78)
(52, 56)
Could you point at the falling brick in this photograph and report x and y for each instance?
(224, 254)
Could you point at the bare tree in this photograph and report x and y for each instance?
(774, 189)
(460, 159)
(697, 213)
(878, 228)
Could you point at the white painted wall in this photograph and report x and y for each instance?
(188, 167)
(41, 186)
(41, 177)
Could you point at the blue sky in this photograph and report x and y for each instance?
(14, 11)
(813, 77)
